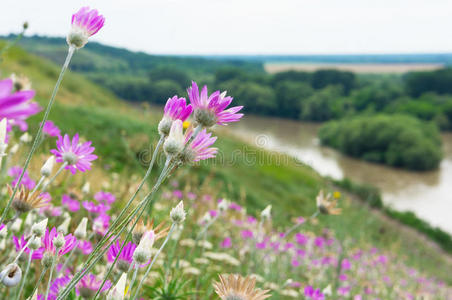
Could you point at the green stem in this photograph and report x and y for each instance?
(51, 273)
(39, 133)
(41, 180)
(11, 44)
(27, 269)
(138, 210)
(68, 258)
(314, 215)
(153, 261)
(39, 281)
(134, 277)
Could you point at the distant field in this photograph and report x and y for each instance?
(357, 68)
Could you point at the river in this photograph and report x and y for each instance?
(428, 194)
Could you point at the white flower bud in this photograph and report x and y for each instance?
(3, 144)
(175, 141)
(165, 126)
(80, 231)
(223, 205)
(64, 227)
(59, 240)
(14, 149)
(142, 253)
(178, 214)
(117, 292)
(29, 219)
(266, 213)
(206, 218)
(3, 244)
(327, 291)
(35, 243)
(4, 232)
(47, 168)
(86, 188)
(39, 229)
(47, 259)
(16, 225)
(11, 275)
(25, 138)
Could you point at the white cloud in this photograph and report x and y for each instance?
(250, 26)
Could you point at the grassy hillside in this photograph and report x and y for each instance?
(122, 133)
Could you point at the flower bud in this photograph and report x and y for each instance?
(223, 205)
(117, 292)
(4, 232)
(80, 231)
(39, 229)
(266, 213)
(14, 149)
(47, 168)
(64, 227)
(29, 220)
(11, 275)
(178, 214)
(16, 225)
(86, 188)
(142, 253)
(25, 138)
(35, 243)
(3, 144)
(59, 240)
(165, 126)
(47, 259)
(174, 143)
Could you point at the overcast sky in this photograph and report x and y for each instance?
(250, 26)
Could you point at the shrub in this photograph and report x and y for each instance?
(395, 140)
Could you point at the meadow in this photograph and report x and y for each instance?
(290, 231)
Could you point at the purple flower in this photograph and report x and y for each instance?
(319, 242)
(191, 196)
(15, 172)
(177, 109)
(55, 287)
(235, 206)
(199, 147)
(51, 129)
(77, 155)
(345, 265)
(178, 194)
(213, 213)
(313, 294)
(295, 263)
(85, 23)
(47, 241)
(247, 234)
(85, 247)
(301, 239)
(97, 209)
(105, 197)
(226, 243)
(71, 204)
(88, 286)
(21, 243)
(211, 110)
(125, 257)
(101, 223)
(16, 107)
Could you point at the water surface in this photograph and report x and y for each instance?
(428, 194)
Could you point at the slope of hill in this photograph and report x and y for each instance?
(122, 134)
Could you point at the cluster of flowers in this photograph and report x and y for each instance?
(294, 263)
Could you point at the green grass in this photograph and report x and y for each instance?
(121, 135)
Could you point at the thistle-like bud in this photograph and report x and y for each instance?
(25, 138)
(14, 149)
(47, 168)
(29, 220)
(59, 240)
(177, 213)
(35, 243)
(266, 213)
(86, 188)
(25, 25)
(117, 292)
(39, 229)
(11, 275)
(80, 231)
(64, 227)
(3, 144)
(16, 225)
(223, 205)
(174, 143)
(165, 126)
(47, 259)
(142, 253)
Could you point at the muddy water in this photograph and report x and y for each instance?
(428, 194)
